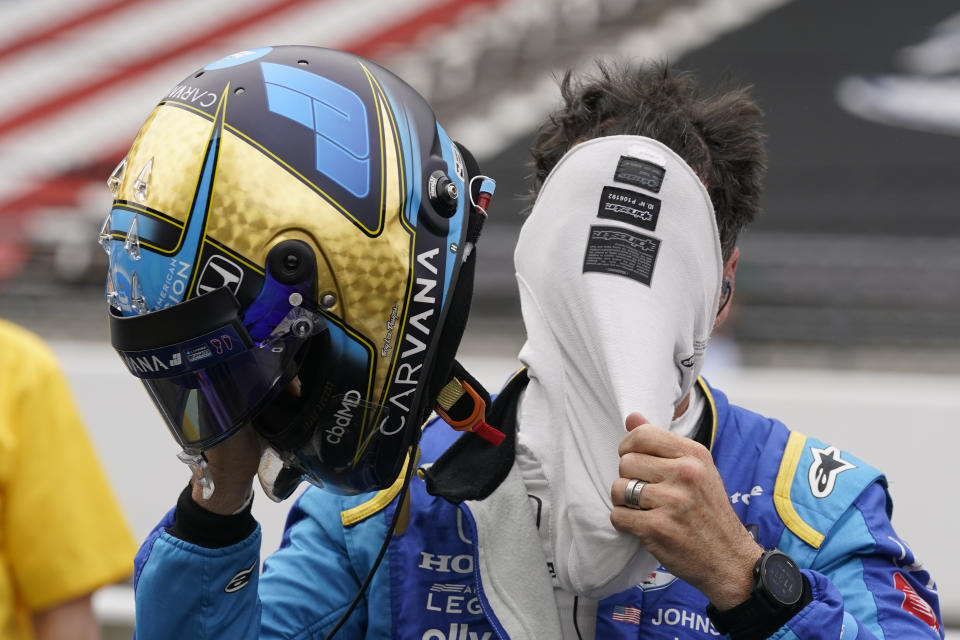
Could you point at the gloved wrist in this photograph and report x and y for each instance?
(197, 525)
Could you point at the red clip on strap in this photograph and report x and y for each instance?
(488, 433)
(476, 422)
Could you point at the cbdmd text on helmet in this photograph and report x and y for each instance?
(285, 249)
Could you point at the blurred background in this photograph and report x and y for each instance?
(846, 320)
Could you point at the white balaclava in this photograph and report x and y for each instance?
(619, 268)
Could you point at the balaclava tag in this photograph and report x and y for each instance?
(619, 268)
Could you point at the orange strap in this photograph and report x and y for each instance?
(476, 421)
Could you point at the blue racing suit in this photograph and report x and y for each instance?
(466, 562)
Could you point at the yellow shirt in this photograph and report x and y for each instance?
(62, 534)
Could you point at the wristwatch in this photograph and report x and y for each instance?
(776, 592)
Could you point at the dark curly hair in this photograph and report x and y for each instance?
(719, 135)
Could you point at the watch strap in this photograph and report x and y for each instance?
(757, 617)
(739, 617)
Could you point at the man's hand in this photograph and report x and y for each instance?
(232, 465)
(685, 519)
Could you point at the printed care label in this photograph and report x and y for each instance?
(621, 252)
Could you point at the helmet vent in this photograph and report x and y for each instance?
(239, 91)
(104, 238)
(113, 182)
(137, 300)
(113, 298)
(142, 184)
(132, 244)
(302, 63)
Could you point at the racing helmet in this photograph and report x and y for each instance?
(290, 247)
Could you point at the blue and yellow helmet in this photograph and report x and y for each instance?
(290, 247)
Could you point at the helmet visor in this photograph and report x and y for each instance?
(210, 385)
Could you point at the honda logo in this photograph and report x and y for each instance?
(219, 272)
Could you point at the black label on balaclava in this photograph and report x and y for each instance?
(621, 252)
(639, 173)
(631, 207)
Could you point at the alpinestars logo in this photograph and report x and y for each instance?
(826, 466)
(240, 579)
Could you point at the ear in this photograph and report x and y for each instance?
(729, 272)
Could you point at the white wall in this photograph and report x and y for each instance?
(904, 424)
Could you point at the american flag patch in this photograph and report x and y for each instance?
(626, 614)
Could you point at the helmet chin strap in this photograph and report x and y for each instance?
(277, 479)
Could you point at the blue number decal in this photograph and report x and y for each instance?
(238, 58)
(335, 114)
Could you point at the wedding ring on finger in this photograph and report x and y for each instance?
(631, 494)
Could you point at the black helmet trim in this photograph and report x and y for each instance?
(180, 323)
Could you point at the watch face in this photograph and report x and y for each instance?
(781, 578)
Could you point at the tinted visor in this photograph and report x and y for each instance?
(210, 384)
